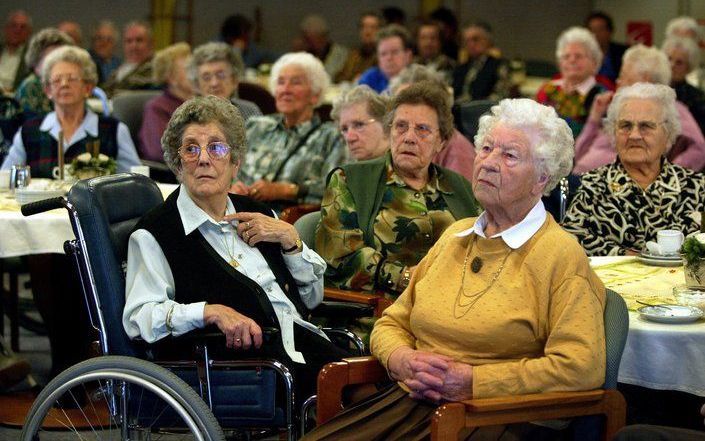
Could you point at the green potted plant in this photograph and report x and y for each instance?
(86, 166)
(693, 252)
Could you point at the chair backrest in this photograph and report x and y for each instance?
(616, 329)
(306, 226)
(108, 208)
(128, 107)
(258, 95)
(467, 116)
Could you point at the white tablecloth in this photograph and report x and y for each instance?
(40, 233)
(661, 356)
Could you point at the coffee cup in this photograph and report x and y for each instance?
(140, 169)
(670, 241)
(67, 173)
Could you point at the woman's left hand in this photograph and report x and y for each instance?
(455, 384)
(254, 228)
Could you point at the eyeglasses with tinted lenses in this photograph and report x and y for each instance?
(355, 126)
(216, 151)
(644, 127)
(422, 130)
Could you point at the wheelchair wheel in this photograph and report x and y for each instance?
(122, 398)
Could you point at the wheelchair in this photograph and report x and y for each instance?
(125, 394)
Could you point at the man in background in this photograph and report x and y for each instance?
(73, 30)
(601, 25)
(393, 55)
(102, 50)
(236, 31)
(429, 49)
(136, 71)
(364, 56)
(316, 38)
(18, 28)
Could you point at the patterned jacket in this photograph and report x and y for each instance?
(302, 155)
(373, 224)
(611, 213)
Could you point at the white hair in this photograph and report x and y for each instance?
(683, 24)
(553, 151)
(315, 72)
(663, 95)
(649, 62)
(583, 36)
(686, 44)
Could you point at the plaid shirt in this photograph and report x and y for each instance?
(272, 154)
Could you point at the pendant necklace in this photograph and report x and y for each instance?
(231, 254)
(464, 301)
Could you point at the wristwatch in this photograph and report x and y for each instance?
(298, 246)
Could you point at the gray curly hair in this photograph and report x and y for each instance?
(429, 94)
(554, 149)
(417, 72)
(43, 39)
(212, 53)
(71, 54)
(376, 104)
(664, 96)
(204, 110)
(580, 35)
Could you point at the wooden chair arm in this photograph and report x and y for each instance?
(450, 418)
(293, 213)
(333, 378)
(377, 300)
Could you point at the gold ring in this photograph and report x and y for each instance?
(247, 235)
(254, 190)
(247, 224)
(237, 339)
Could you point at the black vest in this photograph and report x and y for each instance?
(42, 148)
(200, 274)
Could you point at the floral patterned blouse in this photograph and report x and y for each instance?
(407, 225)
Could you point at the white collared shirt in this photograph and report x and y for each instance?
(582, 88)
(518, 234)
(126, 154)
(150, 282)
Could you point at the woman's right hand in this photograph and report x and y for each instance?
(241, 332)
(407, 364)
(599, 106)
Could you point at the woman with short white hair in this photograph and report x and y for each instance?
(503, 304)
(642, 192)
(684, 56)
(579, 58)
(290, 153)
(594, 148)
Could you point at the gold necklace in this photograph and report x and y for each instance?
(233, 262)
(473, 298)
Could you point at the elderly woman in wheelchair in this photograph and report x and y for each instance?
(503, 304)
(205, 257)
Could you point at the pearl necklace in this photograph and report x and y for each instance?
(463, 301)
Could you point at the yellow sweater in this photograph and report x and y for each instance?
(539, 328)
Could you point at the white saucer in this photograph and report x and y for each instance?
(654, 260)
(670, 313)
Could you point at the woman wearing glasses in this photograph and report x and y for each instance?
(68, 76)
(359, 113)
(621, 206)
(380, 217)
(205, 257)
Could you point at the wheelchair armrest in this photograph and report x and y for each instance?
(346, 310)
(378, 301)
(333, 378)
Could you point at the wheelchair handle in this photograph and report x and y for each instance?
(43, 205)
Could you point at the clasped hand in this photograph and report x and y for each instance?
(254, 228)
(430, 376)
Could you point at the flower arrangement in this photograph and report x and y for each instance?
(87, 165)
(693, 249)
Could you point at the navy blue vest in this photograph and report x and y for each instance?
(42, 148)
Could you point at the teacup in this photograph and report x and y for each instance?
(670, 241)
(67, 173)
